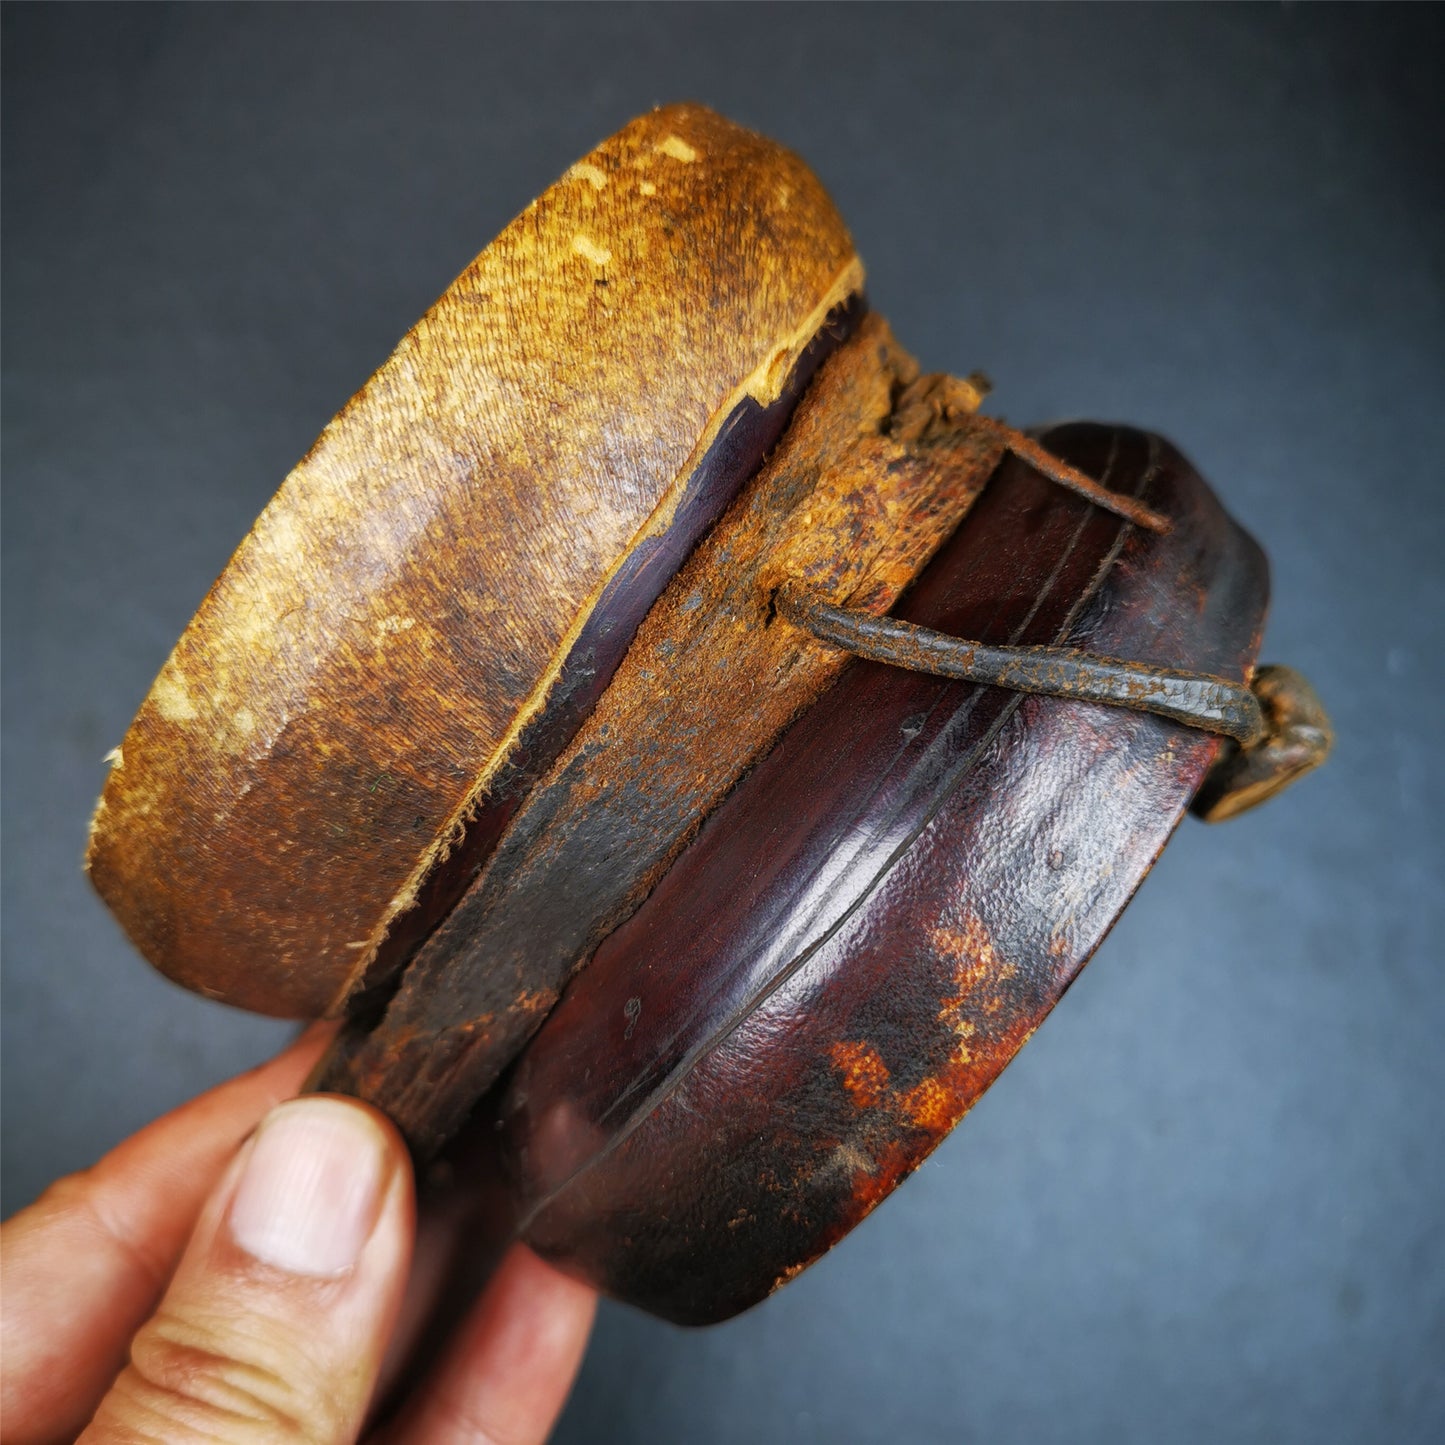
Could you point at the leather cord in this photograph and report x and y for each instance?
(1212, 703)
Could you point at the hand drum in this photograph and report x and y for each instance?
(678, 736)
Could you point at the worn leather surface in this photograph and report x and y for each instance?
(419, 619)
(878, 917)
(876, 469)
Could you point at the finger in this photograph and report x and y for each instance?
(442, 1225)
(463, 1220)
(275, 1322)
(510, 1370)
(86, 1263)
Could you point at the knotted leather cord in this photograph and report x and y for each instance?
(1199, 700)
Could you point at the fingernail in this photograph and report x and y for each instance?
(311, 1188)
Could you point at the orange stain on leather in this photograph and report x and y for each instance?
(865, 1075)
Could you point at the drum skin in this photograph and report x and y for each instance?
(882, 912)
(440, 590)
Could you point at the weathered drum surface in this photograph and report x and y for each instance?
(681, 738)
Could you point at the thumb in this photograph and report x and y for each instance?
(277, 1317)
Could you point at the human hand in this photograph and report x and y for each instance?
(181, 1289)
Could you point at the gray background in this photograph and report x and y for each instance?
(1206, 1202)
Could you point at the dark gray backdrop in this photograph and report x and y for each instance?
(1206, 1202)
